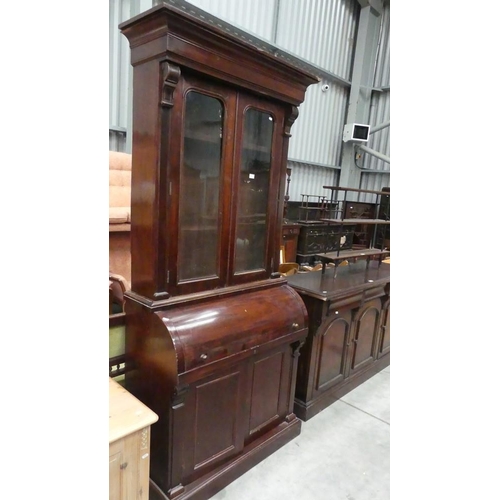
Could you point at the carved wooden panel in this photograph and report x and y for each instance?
(215, 419)
(266, 383)
(332, 353)
(365, 333)
(209, 426)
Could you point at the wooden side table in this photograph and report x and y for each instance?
(129, 440)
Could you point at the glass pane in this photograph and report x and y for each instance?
(251, 229)
(199, 224)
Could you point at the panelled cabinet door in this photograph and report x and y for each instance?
(224, 411)
(364, 334)
(270, 391)
(333, 350)
(209, 425)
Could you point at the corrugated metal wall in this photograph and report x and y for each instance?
(380, 113)
(380, 104)
(312, 179)
(374, 182)
(379, 141)
(322, 32)
(317, 133)
(257, 16)
(119, 72)
(382, 71)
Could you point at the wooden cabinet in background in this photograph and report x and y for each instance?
(290, 234)
(318, 238)
(348, 339)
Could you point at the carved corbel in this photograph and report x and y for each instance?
(171, 75)
(289, 120)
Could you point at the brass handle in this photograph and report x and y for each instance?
(204, 356)
(295, 325)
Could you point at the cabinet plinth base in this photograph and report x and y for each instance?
(210, 484)
(305, 411)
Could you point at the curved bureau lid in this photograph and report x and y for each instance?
(237, 325)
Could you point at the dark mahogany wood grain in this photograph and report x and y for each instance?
(214, 353)
(227, 365)
(166, 31)
(350, 279)
(173, 51)
(348, 339)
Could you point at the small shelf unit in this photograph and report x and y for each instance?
(337, 208)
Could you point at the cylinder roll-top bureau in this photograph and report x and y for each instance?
(213, 332)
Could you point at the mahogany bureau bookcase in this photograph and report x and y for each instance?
(213, 331)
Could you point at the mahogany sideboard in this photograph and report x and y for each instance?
(349, 332)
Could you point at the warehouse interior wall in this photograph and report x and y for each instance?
(345, 42)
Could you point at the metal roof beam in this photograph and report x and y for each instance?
(362, 83)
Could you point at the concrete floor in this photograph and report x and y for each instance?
(342, 453)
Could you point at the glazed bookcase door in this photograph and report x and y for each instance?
(224, 173)
(201, 177)
(256, 177)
